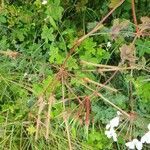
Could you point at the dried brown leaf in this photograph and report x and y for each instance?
(117, 27)
(11, 54)
(127, 52)
(145, 25)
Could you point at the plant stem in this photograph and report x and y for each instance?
(41, 107)
(67, 129)
(134, 15)
(50, 102)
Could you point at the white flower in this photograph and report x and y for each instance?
(138, 144)
(114, 122)
(119, 113)
(25, 74)
(108, 134)
(108, 44)
(111, 133)
(44, 2)
(130, 145)
(108, 126)
(146, 138)
(134, 144)
(29, 79)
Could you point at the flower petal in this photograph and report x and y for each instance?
(130, 145)
(108, 134)
(114, 122)
(44, 2)
(146, 138)
(119, 113)
(139, 145)
(107, 126)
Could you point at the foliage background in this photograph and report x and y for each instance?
(40, 37)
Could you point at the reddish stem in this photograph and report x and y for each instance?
(134, 15)
(88, 110)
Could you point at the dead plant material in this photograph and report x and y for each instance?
(87, 80)
(145, 23)
(51, 100)
(117, 27)
(106, 68)
(134, 15)
(87, 110)
(117, 68)
(127, 52)
(10, 54)
(66, 117)
(41, 104)
(144, 27)
(96, 65)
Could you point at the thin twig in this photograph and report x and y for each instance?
(67, 129)
(73, 93)
(99, 84)
(134, 15)
(63, 93)
(50, 102)
(41, 107)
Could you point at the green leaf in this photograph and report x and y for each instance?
(3, 19)
(4, 45)
(55, 57)
(53, 23)
(113, 3)
(143, 89)
(31, 129)
(47, 34)
(89, 46)
(55, 10)
(89, 58)
(72, 64)
(143, 47)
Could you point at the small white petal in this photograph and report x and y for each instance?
(108, 134)
(146, 138)
(135, 141)
(44, 2)
(119, 113)
(148, 141)
(107, 126)
(115, 137)
(139, 145)
(29, 79)
(25, 74)
(143, 139)
(108, 44)
(130, 145)
(114, 122)
(111, 133)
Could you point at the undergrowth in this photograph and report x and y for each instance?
(64, 74)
